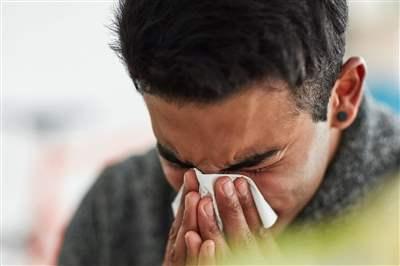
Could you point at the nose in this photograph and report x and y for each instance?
(208, 169)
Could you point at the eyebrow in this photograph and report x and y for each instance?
(249, 161)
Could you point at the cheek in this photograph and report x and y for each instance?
(173, 175)
(278, 191)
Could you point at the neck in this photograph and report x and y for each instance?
(334, 144)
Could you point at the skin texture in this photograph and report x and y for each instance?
(214, 136)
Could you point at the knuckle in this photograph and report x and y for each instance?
(234, 207)
(246, 201)
(172, 256)
(187, 221)
(190, 195)
(245, 241)
(186, 224)
(213, 229)
(185, 217)
(189, 208)
(248, 239)
(173, 232)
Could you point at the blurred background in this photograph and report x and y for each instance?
(68, 108)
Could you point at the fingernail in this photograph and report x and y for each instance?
(187, 239)
(228, 188)
(172, 254)
(208, 208)
(242, 188)
(210, 248)
(185, 177)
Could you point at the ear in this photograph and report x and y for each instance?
(347, 93)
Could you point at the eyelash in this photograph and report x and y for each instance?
(253, 173)
(258, 170)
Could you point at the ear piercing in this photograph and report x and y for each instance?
(341, 116)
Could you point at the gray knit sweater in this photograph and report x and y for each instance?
(125, 217)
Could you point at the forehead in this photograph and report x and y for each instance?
(250, 122)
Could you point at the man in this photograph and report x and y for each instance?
(250, 87)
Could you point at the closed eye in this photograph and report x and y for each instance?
(248, 172)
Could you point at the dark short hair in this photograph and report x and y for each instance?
(207, 50)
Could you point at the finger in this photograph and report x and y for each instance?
(193, 242)
(207, 253)
(173, 231)
(235, 225)
(248, 206)
(190, 183)
(209, 229)
(189, 222)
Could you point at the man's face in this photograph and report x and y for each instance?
(258, 133)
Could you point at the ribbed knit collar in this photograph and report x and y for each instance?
(368, 151)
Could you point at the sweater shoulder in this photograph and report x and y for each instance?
(129, 185)
(384, 146)
(131, 174)
(115, 215)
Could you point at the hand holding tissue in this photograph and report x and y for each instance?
(206, 187)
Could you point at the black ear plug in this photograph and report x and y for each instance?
(341, 116)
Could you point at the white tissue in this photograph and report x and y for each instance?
(206, 187)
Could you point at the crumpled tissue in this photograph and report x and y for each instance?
(206, 187)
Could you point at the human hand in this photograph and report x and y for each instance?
(243, 231)
(195, 238)
(184, 226)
